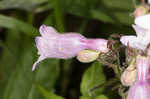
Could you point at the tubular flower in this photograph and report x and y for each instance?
(51, 44)
(141, 88)
(142, 28)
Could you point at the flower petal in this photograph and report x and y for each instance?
(141, 32)
(131, 40)
(42, 45)
(70, 44)
(141, 88)
(38, 41)
(35, 64)
(98, 45)
(47, 31)
(143, 21)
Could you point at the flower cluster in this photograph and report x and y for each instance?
(140, 84)
(51, 44)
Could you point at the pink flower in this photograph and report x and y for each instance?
(141, 88)
(142, 28)
(51, 44)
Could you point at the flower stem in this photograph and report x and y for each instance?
(59, 15)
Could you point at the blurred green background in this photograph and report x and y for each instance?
(57, 79)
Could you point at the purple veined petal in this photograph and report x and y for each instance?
(37, 40)
(70, 44)
(139, 91)
(47, 31)
(35, 64)
(143, 21)
(142, 65)
(98, 45)
(141, 88)
(61, 46)
(42, 46)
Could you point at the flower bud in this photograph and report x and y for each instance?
(141, 10)
(129, 75)
(86, 56)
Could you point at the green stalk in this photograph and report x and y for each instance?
(59, 15)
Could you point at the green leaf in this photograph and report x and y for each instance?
(96, 97)
(79, 8)
(92, 77)
(50, 20)
(21, 4)
(116, 11)
(85, 97)
(22, 81)
(11, 53)
(100, 97)
(112, 11)
(48, 95)
(15, 24)
(59, 15)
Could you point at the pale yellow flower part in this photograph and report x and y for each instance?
(86, 56)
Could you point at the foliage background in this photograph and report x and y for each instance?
(57, 79)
